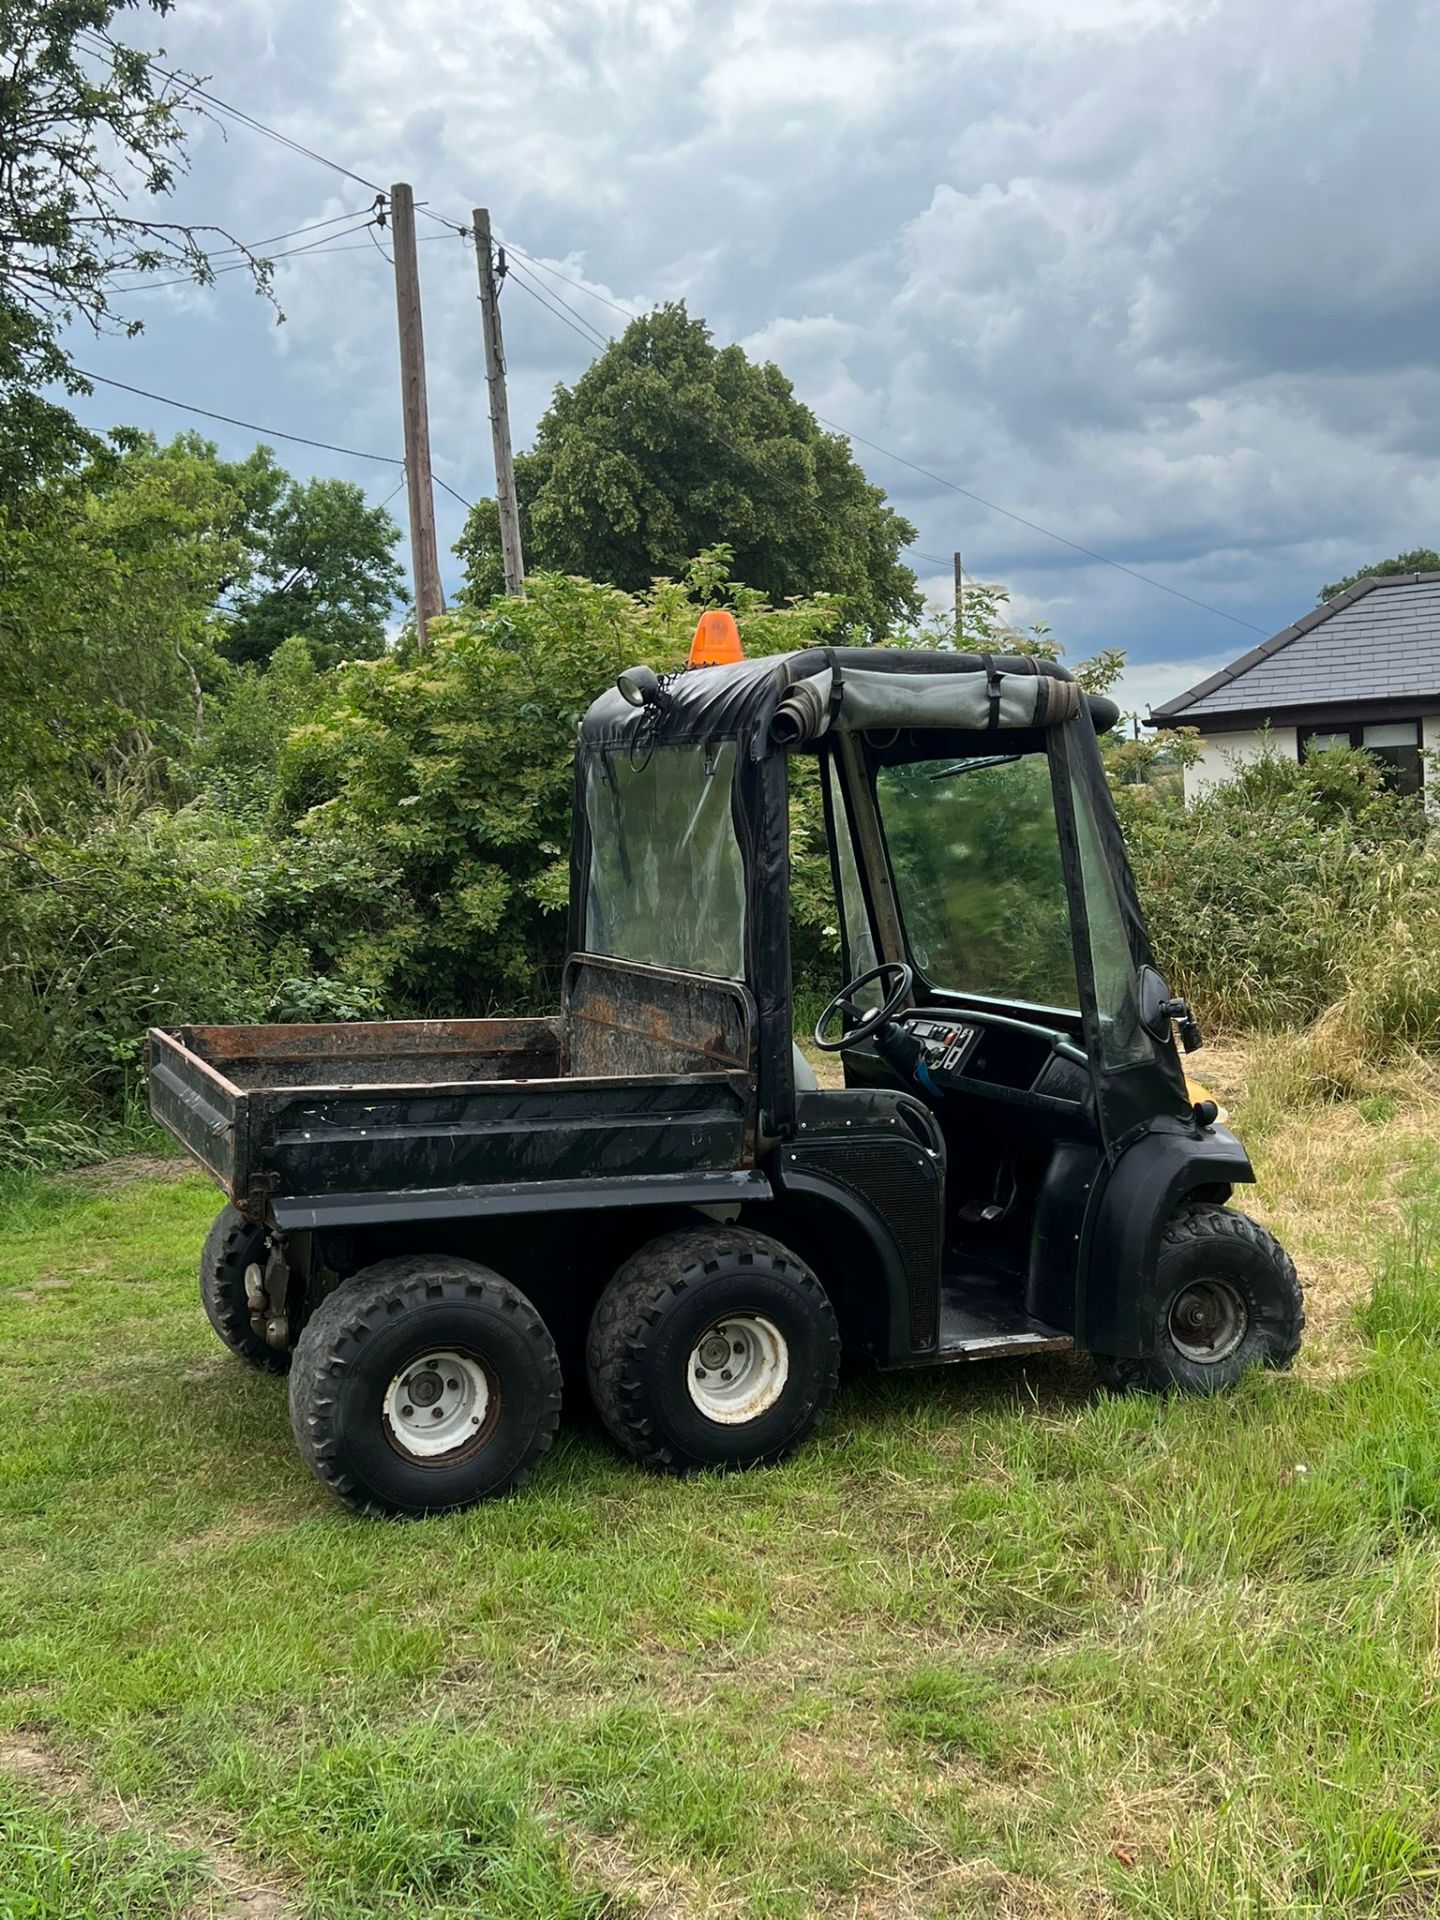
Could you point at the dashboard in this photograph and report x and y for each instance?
(1001, 1051)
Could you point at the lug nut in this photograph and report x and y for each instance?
(407, 1413)
(700, 1373)
(726, 1374)
(436, 1413)
(739, 1346)
(453, 1385)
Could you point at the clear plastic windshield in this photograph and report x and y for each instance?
(979, 880)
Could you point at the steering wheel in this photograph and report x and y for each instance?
(865, 1023)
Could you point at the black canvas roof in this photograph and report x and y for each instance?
(1379, 640)
(855, 686)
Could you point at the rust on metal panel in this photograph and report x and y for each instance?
(400, 1053)
(624, 1018)
(657, 1038)
(378, 1038)
(162, 1041)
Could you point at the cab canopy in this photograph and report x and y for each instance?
(790, 699)
(680, 855)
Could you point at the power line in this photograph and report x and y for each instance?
(242, 266)
(393, 491)
(269, 433)
(193, 87)
(525, 281)
(469, 505)
(452, 226)
(592, 336)
(591, 339)
(1035, 527)
(556, 274)
(273, 239)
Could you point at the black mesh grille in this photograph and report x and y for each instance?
(898, 1183)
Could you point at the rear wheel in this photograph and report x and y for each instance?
(1227, 1299)
(712, 1347)
(233, 1246)
(424, 1384)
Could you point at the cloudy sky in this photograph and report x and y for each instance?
(1159, 276)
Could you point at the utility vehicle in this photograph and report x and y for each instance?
(433, 1223)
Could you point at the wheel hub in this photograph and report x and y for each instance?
(714, 1351)
(1208, 1321)
(738, 1368)
(440, 1405)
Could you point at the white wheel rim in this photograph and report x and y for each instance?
(738, 1368)
(437, 1405)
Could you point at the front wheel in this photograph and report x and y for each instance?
(1227, 1299)
(424, 1384)
(712, 1347)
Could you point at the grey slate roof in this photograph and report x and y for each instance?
(1379, 640)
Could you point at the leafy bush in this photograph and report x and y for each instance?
(1290, 888)
(248, 720)
(109, 929)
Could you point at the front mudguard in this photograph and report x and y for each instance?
(1129, 1211)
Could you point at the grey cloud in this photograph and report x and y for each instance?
(1159, 276)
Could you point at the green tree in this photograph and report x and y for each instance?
(1418, 560)
(319, 566)
(108, 579)
(667, 446)
(89, 134)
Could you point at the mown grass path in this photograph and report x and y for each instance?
(996, 1645)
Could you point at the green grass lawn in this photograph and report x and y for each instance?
(995, 1645)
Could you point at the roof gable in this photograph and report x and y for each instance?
(1379, 640)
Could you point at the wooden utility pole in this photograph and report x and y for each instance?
(959, 599)
(425, 558)
(499, 406)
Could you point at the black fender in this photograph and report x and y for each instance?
(860, 1191)
(1128, 1214)
(817, 1215)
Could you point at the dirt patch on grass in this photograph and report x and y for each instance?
(602, 1860)
(109, 1176)
(239, 1893)
(239, 1525)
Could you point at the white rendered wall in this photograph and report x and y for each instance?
(1222, 754)
(1430, 767)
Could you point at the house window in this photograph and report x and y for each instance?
(1394, 743)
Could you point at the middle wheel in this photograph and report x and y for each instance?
(712, 1347)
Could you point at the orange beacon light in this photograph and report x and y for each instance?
(717, 640)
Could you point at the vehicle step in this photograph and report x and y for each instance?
(979, 1322)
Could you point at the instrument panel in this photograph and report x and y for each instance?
(946, 1044)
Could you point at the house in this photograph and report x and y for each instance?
(1363, 670)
